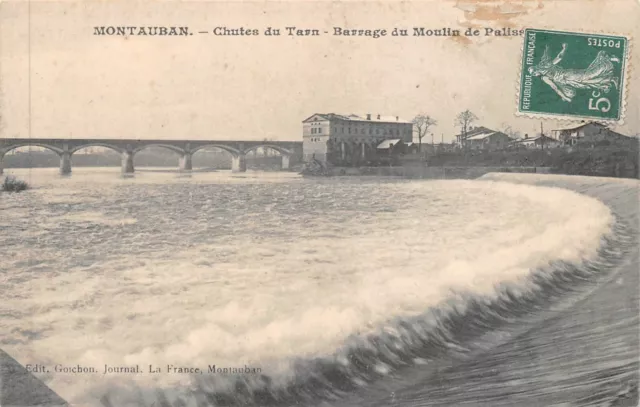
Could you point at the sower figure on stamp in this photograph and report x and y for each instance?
(598, 75)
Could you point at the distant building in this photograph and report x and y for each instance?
(391, 149)
(482, 138)
(539, 141)
(350, 140)
(592, 134)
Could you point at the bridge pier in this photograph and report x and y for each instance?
(285, 162)
(239, 163)
(65, 163)
(185, 162)
(1, 164)
(127, 162)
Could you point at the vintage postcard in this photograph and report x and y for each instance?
(319, 203)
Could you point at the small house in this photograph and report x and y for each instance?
(539, 142)
(482, 138)
(593, 134)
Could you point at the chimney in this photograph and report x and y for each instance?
(397, 118)
(378, 117)
(526, 136)
(368, 116)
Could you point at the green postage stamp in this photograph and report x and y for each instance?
(573, 75)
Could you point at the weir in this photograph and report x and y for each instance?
(588, 343)
(532, 358)
(529, 359)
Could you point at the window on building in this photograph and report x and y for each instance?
(349, 130)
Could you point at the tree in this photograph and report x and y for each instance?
(464, 120)
(511, 132)
(422, 122)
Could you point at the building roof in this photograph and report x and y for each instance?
(609, 131)
(474, 130)
(481, 136)
(387, 143)
(481, 133)
(534, 138)
(574, 127)
(355, 118)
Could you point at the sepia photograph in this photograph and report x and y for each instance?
(319, 203)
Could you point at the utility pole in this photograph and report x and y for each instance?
(542, 135)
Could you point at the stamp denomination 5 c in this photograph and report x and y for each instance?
(574, 75)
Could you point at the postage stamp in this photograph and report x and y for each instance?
(572, 75)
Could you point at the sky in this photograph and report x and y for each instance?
(59, 80)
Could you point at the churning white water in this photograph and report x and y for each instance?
(254, 270)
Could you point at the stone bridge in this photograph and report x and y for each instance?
(127, 148)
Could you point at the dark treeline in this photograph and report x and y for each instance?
(602, 161)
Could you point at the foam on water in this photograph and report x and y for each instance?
(216, 271)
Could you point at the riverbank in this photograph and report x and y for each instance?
(424, 172)
(603, 161)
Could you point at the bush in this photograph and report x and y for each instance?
(11, 184)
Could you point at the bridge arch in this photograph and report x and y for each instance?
(238, 159)
(173, 148)
(281, 150)
(105, 145)
(285, 154)
(234, 152)
(12, 147)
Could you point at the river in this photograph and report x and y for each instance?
(318, 290)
